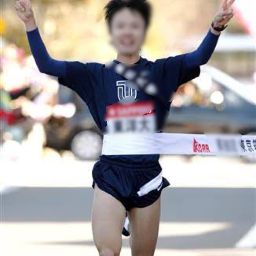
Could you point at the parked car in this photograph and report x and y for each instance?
(77, 133)
(214, 102)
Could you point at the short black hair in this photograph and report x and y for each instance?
(141, 6)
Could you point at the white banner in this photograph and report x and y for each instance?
(178, 144)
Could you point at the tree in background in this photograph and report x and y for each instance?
(76, 28)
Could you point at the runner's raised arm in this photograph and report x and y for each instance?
(43, 60)
(204, 52)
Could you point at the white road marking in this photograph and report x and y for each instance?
(54, 238)
(49, 232)
(249, 240)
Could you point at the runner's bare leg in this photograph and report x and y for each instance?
(108, 216)
(144, 226)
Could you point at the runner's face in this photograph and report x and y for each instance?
(127, 31)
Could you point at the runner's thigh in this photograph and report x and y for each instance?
(108, 216)
(144, 225)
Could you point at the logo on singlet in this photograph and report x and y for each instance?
(125, 92)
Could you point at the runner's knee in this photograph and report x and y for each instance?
(108, 252)
(143, 254)
(142, 251)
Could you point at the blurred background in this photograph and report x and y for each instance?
(49, 142)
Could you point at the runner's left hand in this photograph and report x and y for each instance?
(224, 14)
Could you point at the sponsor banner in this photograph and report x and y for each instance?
(178, 144)
(225, 144)
(248, 144)
(129, 110)
(200, 147)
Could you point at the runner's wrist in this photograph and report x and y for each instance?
(30, 24)
(215, 32)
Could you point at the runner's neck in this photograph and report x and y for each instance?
(128, 59)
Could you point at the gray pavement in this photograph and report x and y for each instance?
(186, 205)
(197, 220)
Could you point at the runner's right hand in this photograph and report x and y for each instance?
(24, 10)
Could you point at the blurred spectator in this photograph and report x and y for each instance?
(27, 99)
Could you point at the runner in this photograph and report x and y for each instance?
(126, 183)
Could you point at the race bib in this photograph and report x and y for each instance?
(138, 117)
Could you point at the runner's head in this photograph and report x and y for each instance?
(128, 22)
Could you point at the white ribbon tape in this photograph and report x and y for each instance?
(178, 144)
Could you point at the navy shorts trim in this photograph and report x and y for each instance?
(133, 185)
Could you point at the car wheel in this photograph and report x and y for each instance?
(86, 145)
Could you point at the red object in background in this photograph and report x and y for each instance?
(8, 117)
(245, 15)
(245, 11)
